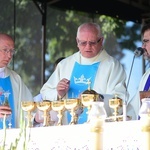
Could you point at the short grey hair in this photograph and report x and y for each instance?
(88, 26)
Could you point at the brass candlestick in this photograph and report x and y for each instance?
(45, 106)
(59, 107)
(72, 105)
(28, 106)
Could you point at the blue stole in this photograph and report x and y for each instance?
(147, 85)
(6, 86)
(81, 75)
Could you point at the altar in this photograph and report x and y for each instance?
(116, 136)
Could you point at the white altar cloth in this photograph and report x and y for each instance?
(116, 136)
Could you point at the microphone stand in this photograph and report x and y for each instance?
(125, 103)
(130, 72)
(138, 52)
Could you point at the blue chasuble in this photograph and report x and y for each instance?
(5, 86)
(81, 75)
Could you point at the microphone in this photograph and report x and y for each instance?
(139, 51)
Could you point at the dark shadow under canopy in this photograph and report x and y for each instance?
(129, 10)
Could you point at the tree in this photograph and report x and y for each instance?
(24, 23)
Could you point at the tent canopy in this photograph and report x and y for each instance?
(130, 10)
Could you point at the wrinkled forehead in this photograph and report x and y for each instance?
(6, 42)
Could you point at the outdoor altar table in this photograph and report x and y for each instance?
(116, 136)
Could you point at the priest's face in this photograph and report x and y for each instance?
(6, 50)
(89, 43)
(146, 44)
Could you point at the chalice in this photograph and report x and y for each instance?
(59, 107)
(72, 105)
(28, 106)
(45, 106)
(115, 103)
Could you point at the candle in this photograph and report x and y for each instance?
(145, 128)
(145, 123)
(96, 133)
(97, 117)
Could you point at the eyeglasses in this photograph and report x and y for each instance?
(145, 41)
(91, 43)
(6, 51)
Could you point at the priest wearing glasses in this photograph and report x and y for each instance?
(11, 85)
(91, 63)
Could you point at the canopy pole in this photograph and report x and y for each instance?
(43, 9)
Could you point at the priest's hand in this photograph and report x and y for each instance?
(63, 87)
(5, 110)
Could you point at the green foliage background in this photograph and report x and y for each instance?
(23, 20)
